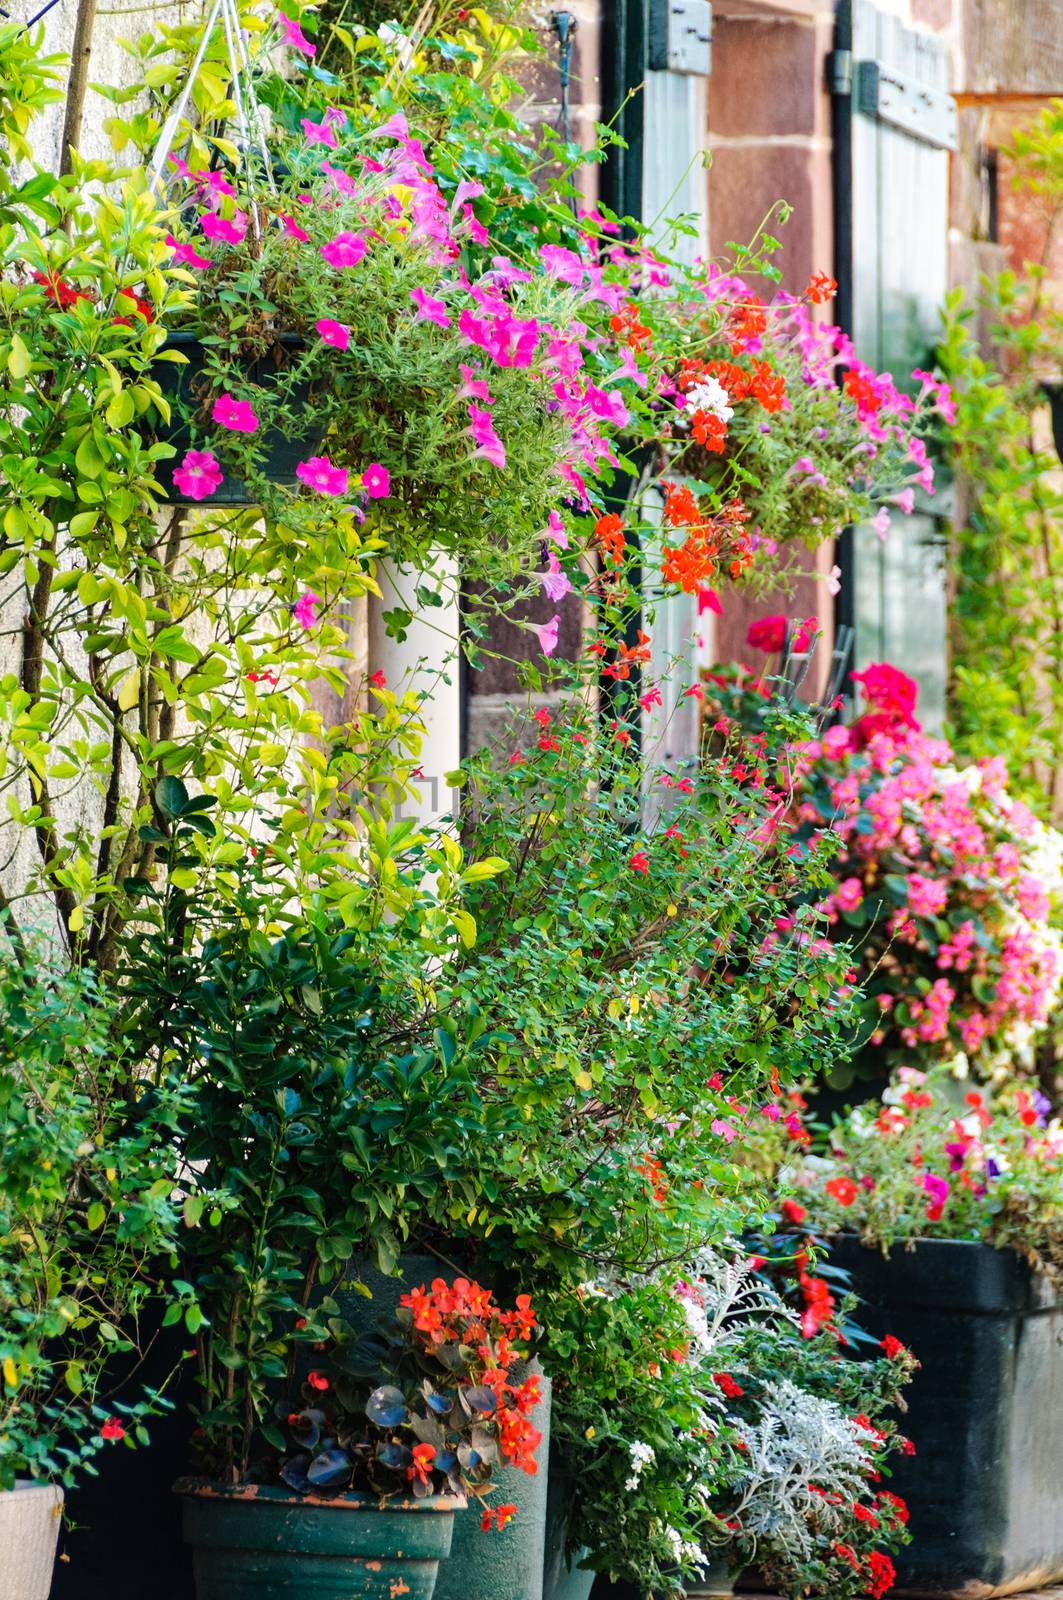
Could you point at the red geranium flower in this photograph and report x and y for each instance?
(112, 1429)
(844, 1190)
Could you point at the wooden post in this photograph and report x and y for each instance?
(80, 52)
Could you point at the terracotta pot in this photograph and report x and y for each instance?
(29, 1530)
(264, 1543)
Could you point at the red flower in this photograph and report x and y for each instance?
(844, 1190)
(317, 1380)
(881, 1572)
(899, 1506)
(726, 1384)
(609, 532)
(378, 680)
(112, 1429)
(640, 863)
(767, 633)
(542, 717)
(500, 1515)
(793, 1212)
(63, 294)
(821, 288)
(864, 1514)
(893, 1347)
(423, 1457)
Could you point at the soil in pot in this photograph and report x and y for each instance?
(187, 382)
(264, 1543)
(29, 1530)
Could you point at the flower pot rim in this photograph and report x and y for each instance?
(924, 1238)
(292, 337)
(36, 1486)
(276, 1495)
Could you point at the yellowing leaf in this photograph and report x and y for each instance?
(76, 920)
(10, 1373)
(583, 1079)
(129, 693)
(184, 877)
(19, 360)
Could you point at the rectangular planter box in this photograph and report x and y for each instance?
(985, 1488)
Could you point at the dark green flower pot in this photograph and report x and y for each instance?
(261, 1543)
(717, 1581)
(185, 385)
(985, 1412)
(561, 1581)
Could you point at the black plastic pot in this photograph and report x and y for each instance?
(186, 382)
(986, 1413)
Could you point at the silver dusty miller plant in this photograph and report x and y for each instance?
(798, 1441)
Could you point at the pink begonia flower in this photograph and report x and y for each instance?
(723, 1130)
(199, 474)
(294, 35)
(236, 415)
(319, 133)
(319, 474)
(184, 255)
(337, 334)
(881, 522)
(488, 445)
(849, 894)
(303, 609)
(429, 309)
(709, 600)
(376, 481)
(555, 529)
(230, 230)
(345, 250)
(292, 228)
(556, 584)
(548, 635)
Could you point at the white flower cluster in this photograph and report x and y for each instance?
(711, 396)
(642, 1456)
(682, 1549)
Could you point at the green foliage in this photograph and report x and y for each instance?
(29, 81)
(87, 1221)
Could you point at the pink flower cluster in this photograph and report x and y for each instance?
(952, 889)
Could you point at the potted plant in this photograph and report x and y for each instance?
(87, 1225)
(368, 1475)
(942, 1206)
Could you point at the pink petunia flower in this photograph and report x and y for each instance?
(548, 635)
(236, 415)
(556, 531)
(230, 230)
(429, 309)
(556, 584)
(337, 334)
(199, 474)
(292, 228)
(345, 250)
(185, 255)
(294, 35)
(319, 133)
(488, 445)
(303, 609)
(376, 481)
(319, 474)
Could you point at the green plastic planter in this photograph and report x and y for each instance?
(985, 1413)
(262, 1543)
(561, 1581)
(186, 381)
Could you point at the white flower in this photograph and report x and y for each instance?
(710, 395)
(642, 1456)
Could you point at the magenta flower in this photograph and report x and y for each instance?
(236, 415)
(548, 635)
(345, 250)
(488, 445)
(319, 133)
(185, 255)
(472, 387)
(556, 531)
(230, 230)
(294, 35)
(723, 1130)
(376, 481)
(556, 584)
(303, 609)
(336, 334)
(292, 228)
(319, 474)
(198, 475)
(429, 309)
(937, 1189)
